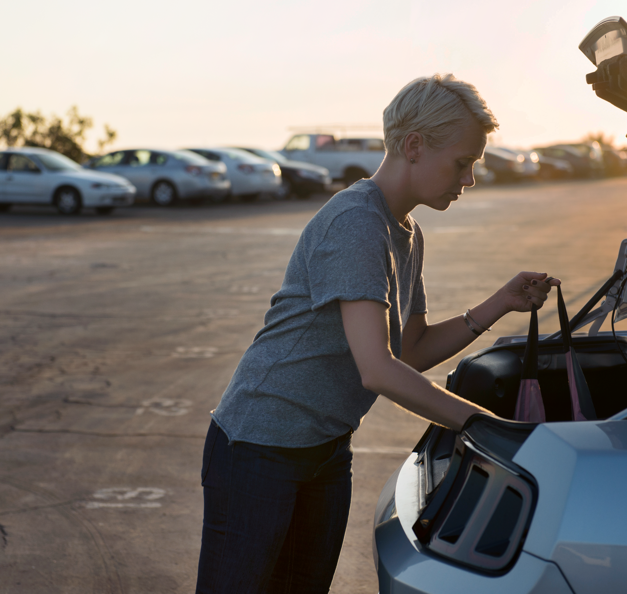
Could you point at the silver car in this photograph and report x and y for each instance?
(518, 507)
(167, 176)
(250, 175)
(42, 176)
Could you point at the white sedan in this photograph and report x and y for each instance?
(42, 176)
(250, 175)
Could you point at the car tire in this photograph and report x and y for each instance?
(68, 200)
(5, 207)
(353, 174)
(104, 210)
(286, 190)
(163, 193)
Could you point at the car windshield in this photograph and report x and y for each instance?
(58, 162)
(272, 155)
(189, 158)
(238, 154)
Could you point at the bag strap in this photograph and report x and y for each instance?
(530, 360)
(581, 401)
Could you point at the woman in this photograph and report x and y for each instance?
(349, 323)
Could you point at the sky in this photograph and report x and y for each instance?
(208, 73)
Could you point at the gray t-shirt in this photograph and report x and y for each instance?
(298, 385)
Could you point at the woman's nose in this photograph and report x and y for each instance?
(468, 179)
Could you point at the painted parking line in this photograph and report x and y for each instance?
(382, 450)
(167, 407)
(194, 352)
(124, 497)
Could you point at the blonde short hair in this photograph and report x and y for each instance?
(436, 106)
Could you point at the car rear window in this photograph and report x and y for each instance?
(189, 158)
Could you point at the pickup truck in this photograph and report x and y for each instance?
(347, 159)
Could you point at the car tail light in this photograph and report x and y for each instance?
(193, 169)
(480, 512)
(246, 168)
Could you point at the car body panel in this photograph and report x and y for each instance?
(404, 570)
(304, 178)
(585, 476)
(146, 167)
(338, 156)
(575, 537)
(262, 177)
(96, 189)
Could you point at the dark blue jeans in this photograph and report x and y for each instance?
(274, 518)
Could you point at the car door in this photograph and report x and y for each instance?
(139, 171)
(23, 180)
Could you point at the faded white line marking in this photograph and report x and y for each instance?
(98, 504)
(382, 450)
(194, 352)
(253, 289)
(167, 407)
(124, 495)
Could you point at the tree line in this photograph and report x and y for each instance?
(65, 135)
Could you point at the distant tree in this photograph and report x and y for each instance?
(600, 137)
(67, 137)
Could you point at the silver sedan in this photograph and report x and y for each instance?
(167, 176)
(42, 176)
(250, 175)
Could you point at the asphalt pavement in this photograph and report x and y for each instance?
(119, 334)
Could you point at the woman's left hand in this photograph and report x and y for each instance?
(527, 289)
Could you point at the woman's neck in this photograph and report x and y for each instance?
(393, 180)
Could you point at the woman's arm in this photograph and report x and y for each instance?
(367, 329)
(425, 346)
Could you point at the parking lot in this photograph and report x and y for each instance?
(118, 336)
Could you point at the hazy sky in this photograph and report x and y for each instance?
(243, 72)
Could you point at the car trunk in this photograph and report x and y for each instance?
(451, 465)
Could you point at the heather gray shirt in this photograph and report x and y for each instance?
(298, 385)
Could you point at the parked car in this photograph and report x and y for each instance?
(505, 506)
(348, 159)
(42, 176)
(504, 164)
(482, 174)
(298, 178)
(166, 176)
(551, 168)
(528, 160)
(614, 161)
(585, 159)
(250, 175)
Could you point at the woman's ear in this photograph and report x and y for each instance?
(414, 146)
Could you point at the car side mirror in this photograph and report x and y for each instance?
(606, 47)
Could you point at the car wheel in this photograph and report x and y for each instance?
(104, 210)
(163, 193)
(68, 201)
(5, 207)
